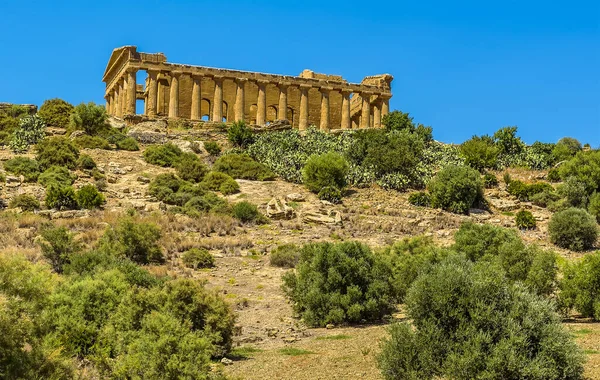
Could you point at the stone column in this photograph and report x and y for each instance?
(218, 100)
(377, 115)
(131, 91)
(282, 110)
(303, 119)
(116, 104)
(174, 94)
(123, 95)
(365, 119)
(345, 110)
(385, 105)
(261, 103)
(324, 124)
(196, 97)
(240, 99)
(152, 99)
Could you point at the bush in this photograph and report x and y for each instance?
(165, 155)
(60, 197)
(480, 153)
(545, 198)
(324, 170)
(337, 283)
(172, 190)
(58, 246)
(285, 256)
(420, 198)
(525, 192)
(58, 175)
(525, 220)
(56, 112)
(31, 130)
(28, 168)
(86, 162)
(574, 192)
(197, 258)
(128, 143)
(490, 181)
(246, 212)
(57, 151)
(243, 166)
(190, 168)
(212, 148)
(90, 118)
(25, 202)
(456, 189)
(91, 142)
(566, 148)
(330, 194)
(580, 287)
(508, 142)
(553, 175)
(136, 241)
(585, 166)
(594, 206)
(88, 197)
(573, 229)
(470, 323)
(217, 181)
(240, 135)
(209, 202)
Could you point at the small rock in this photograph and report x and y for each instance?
(329, 326)
(289, 339)
(295, 197)
(226, 361)
(143, 179)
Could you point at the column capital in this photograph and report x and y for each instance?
(385, 96)
(218, 78)
(325, 90)
(196, 75)
(262, 82)
(283, 85)
(305, 86)
(366, 93)
(346, 91)
(240, 80)
(132, 69)
(176, 73)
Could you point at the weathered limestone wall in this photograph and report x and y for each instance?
(195, 92)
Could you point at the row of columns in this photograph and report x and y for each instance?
(122, 100)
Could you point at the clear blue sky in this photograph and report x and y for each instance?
(463, 67)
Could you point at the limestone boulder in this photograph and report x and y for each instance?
(150, 132)
(76, 134)
(322, 216)
(504, 204)
(277, 208)
(295, 197)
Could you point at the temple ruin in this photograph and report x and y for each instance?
(222, 95)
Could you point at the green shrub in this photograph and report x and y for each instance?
(240, 135)
(400, 121)
(580, 286)
(90, 118)
(285, 256)
(470, 323)
(573, 229)
(330, 194)
(28, 168)
(585, 166)
(91, 142)
(525, 192)
(337, 283)
(490, 181)
(60, 197)
(58, 175)
(57, 151)
(243, 166)
(553, 175)
(88, 197)
(246, 212)
(58, 246)
(594, 206)
(128, 143)
(574, 192)
(25, 202)
(324, 170)
(136, 241)
(197, 258)
(212, 147)
(456, 189)
(190, 168)
(86, 162)
(56, 112)
(566, 148)
(31, 130)
(172, 190)
(165, 155)
(420, 198)
(525, 220)
(545, 198)
(508, 142)
(214, 180)
(209, 202)
(480, 153)
(229, 186)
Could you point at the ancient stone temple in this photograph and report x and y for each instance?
(222, 95)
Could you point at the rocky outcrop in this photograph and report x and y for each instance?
(277, 208)
(149, 132)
